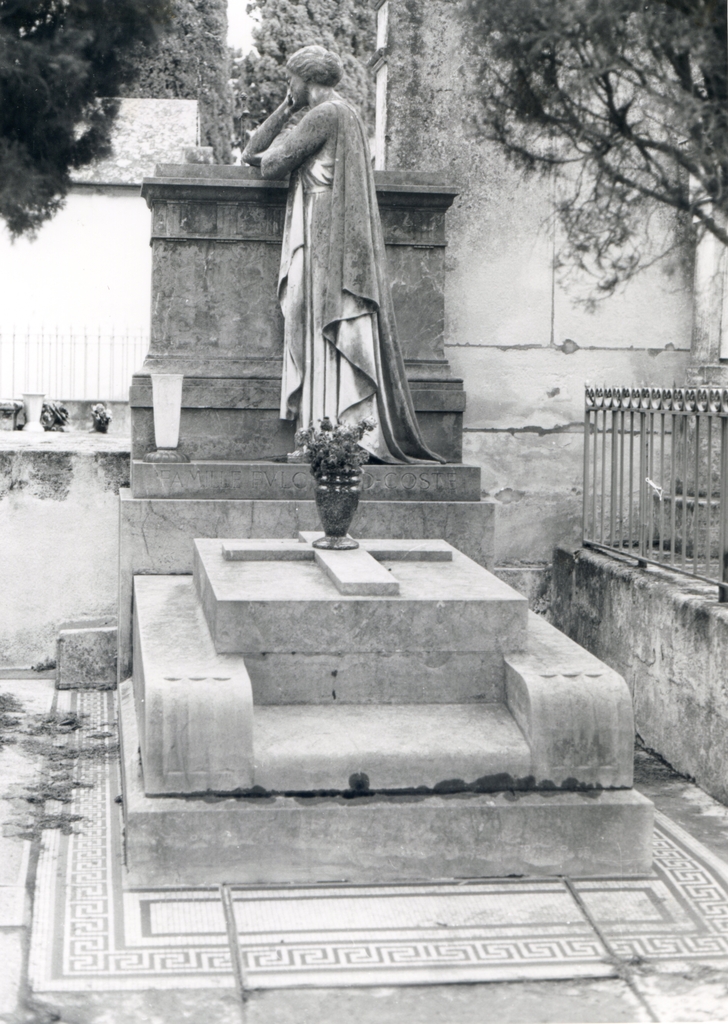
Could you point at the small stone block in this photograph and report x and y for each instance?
(356, 572)
(274, 550)
(86, 658)
(408, 550)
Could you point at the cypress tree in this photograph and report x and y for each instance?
(60, 62)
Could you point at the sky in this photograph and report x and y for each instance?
(240, 25)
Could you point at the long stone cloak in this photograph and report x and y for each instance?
(357, 316)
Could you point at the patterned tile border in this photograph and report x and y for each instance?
(91, 934)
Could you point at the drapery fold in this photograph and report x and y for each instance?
(334, 291)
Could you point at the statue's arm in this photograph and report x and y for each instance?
(291, 148)
(266, 134)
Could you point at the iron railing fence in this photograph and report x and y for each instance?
(75, 365)
(656, 477)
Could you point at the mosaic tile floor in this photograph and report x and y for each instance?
(90, 934)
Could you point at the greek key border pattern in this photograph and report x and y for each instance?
(82, 941)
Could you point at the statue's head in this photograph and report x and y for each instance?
(316, 65)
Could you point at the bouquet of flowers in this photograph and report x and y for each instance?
(334, 450)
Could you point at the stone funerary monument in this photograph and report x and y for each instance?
(295, 714)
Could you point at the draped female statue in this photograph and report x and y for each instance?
(341, 356)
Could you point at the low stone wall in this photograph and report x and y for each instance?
(59, 523)
(668, 637)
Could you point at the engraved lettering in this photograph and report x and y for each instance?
(409, 480)
(271, 483)
(258, 480)
(424, 482)
(164, 474)
(391, 486)
(299, 480)
(367, 481)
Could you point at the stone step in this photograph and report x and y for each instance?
(372, 839)
(445, 747)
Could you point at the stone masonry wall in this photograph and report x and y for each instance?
(59, 520)
(515, 336)
(668, 637)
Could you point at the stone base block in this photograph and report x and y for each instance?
(207, 840)
(86, 658)
(273, 606)
(156, 534)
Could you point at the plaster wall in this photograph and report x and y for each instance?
(512, 331)
(90, 266)
(668, 637)
(59, 519)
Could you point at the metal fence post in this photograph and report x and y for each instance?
(723, 585)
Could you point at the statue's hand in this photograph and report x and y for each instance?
(294, 103)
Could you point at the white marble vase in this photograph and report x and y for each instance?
(33, 403)
(167, 403)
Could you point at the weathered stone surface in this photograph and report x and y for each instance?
(232, 223)
(668, 637)
(86, 658)
(536, 482)
(541, 388)
(59, 515)
(195, 841)
(575, 712)
(339, 747)
(293, 606)
(411, 677)
(195, 706)
(271, 481)
(156, 534)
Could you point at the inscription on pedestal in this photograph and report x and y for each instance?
(275, 481)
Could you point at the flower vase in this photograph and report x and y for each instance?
(33, 403)
(337, 499)
(167, 403)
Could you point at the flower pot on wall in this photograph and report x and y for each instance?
(167, 403)
(33, 403)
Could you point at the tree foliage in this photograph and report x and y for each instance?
(624, 101)
(60, 61)
(259, 78)
(190, 61)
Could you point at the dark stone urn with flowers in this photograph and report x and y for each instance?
(336, 458)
